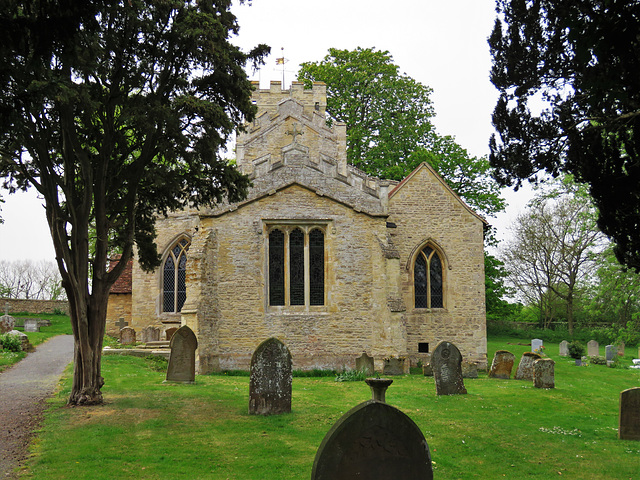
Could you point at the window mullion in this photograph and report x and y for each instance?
(287, 264)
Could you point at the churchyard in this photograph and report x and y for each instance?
(500, 429)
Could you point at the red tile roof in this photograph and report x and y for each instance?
(123, 283)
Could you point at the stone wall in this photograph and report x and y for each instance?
(33, 306)
(119, 307)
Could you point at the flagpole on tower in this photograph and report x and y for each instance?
(281, 61)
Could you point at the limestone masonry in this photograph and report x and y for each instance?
(323, 257)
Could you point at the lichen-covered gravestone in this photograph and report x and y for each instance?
(394, 366)
(593, 348)
(447, 369)
(502, 364)
(373, 441)
(127, 336)
(525, 367)
(150, 334)
(544, 373)
(182, 360)
(364, 363)
(7, 323)
(564, 348)
(271, 378)
(629, 427)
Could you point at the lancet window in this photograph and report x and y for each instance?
(428, 279)
(174, 285)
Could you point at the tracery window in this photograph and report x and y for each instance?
(428, 280)
(174, 279)
(296, 266)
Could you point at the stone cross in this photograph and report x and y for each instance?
(295, 132)
(121, 323)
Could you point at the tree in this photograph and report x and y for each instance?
(570, 102)
(27, 279)
(389, 130)
(553, 247)
(115, 112)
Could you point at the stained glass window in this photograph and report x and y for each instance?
(296, 267)
(428, 280)
(174, 279)
(276, 268)
(316, 267)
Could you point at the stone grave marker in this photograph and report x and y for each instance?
(169, 333)
(427, 370)
(271, 378)
(121, 323)
(7, 323)
(31, 325)
(469, 369)
(564, 348)
(447, 369)
(127, 336)
(373, 441)
(610, 352)
(544, 373)
(629, 426)
(394, 366)
(593, 349)
(182, 360)
(621, 349)
(502, 364)
(536, 343)
(364, 363)
(150, 334)
(525, 367)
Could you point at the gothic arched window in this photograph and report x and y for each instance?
(174, 279)
(428, 280)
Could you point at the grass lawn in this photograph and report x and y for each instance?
(501, 429)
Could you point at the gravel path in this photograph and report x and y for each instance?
(23, 391)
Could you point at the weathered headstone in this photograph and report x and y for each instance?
(364, 363)
(536, 343)
(127, 336)
(593, 349)
(427, 370)
(525, 367)
(394, 366)
(564, 348)
(7, 323)
(469, 369)
(502, 364)
(544, 373)
(629, 427)
(373, 441)
(182, 360)
(150, 334)
(621, 349)
(24, 340)
(610, 353)
(447, 369)
(169, 333)
(271, 378)
(31, 325)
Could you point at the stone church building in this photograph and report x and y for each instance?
(331, 261)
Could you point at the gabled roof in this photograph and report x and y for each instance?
(124, 281)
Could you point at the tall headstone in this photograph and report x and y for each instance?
(544, 373)
(364, 363)
(373, 441)
(525, 367)
(536, 343)
(150, 334)
(621, 349)
(564, 348)
(502, 364)
(182, 360)
(593, 349)
(447, 369)
(271, 378)
(629, 427)
(610, 353)
(127, 336)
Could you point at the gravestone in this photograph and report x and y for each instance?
(610, 352)
(447, 369)
(427, 370)
(502, 364)
(7, 323)
(150, 334)
(373, 441)
(270, 384)
(182, 360)
(364, 363)
(629, 426)
(544, 373)
(621, 349)
(525, 367)
(394, 366)
(564, 348)
(121, 323)
(31, 325)
(469, 369)
(24, 340)
(593, 349)
(169, 333)
(127, 336)
(536, 343)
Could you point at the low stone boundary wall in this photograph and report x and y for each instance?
(17, 305)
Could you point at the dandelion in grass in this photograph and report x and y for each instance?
(561, 431)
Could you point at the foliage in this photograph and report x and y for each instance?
(115, 112)
(10, 343)
(569, 96)
(389, 131)
(576, 349)
(157, 363)
(495, 288)
(597, 360)
(352, 375)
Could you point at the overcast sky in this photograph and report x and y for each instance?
(442, 44)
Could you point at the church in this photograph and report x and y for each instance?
(329, 260)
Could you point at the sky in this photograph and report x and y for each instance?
(442, 44)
